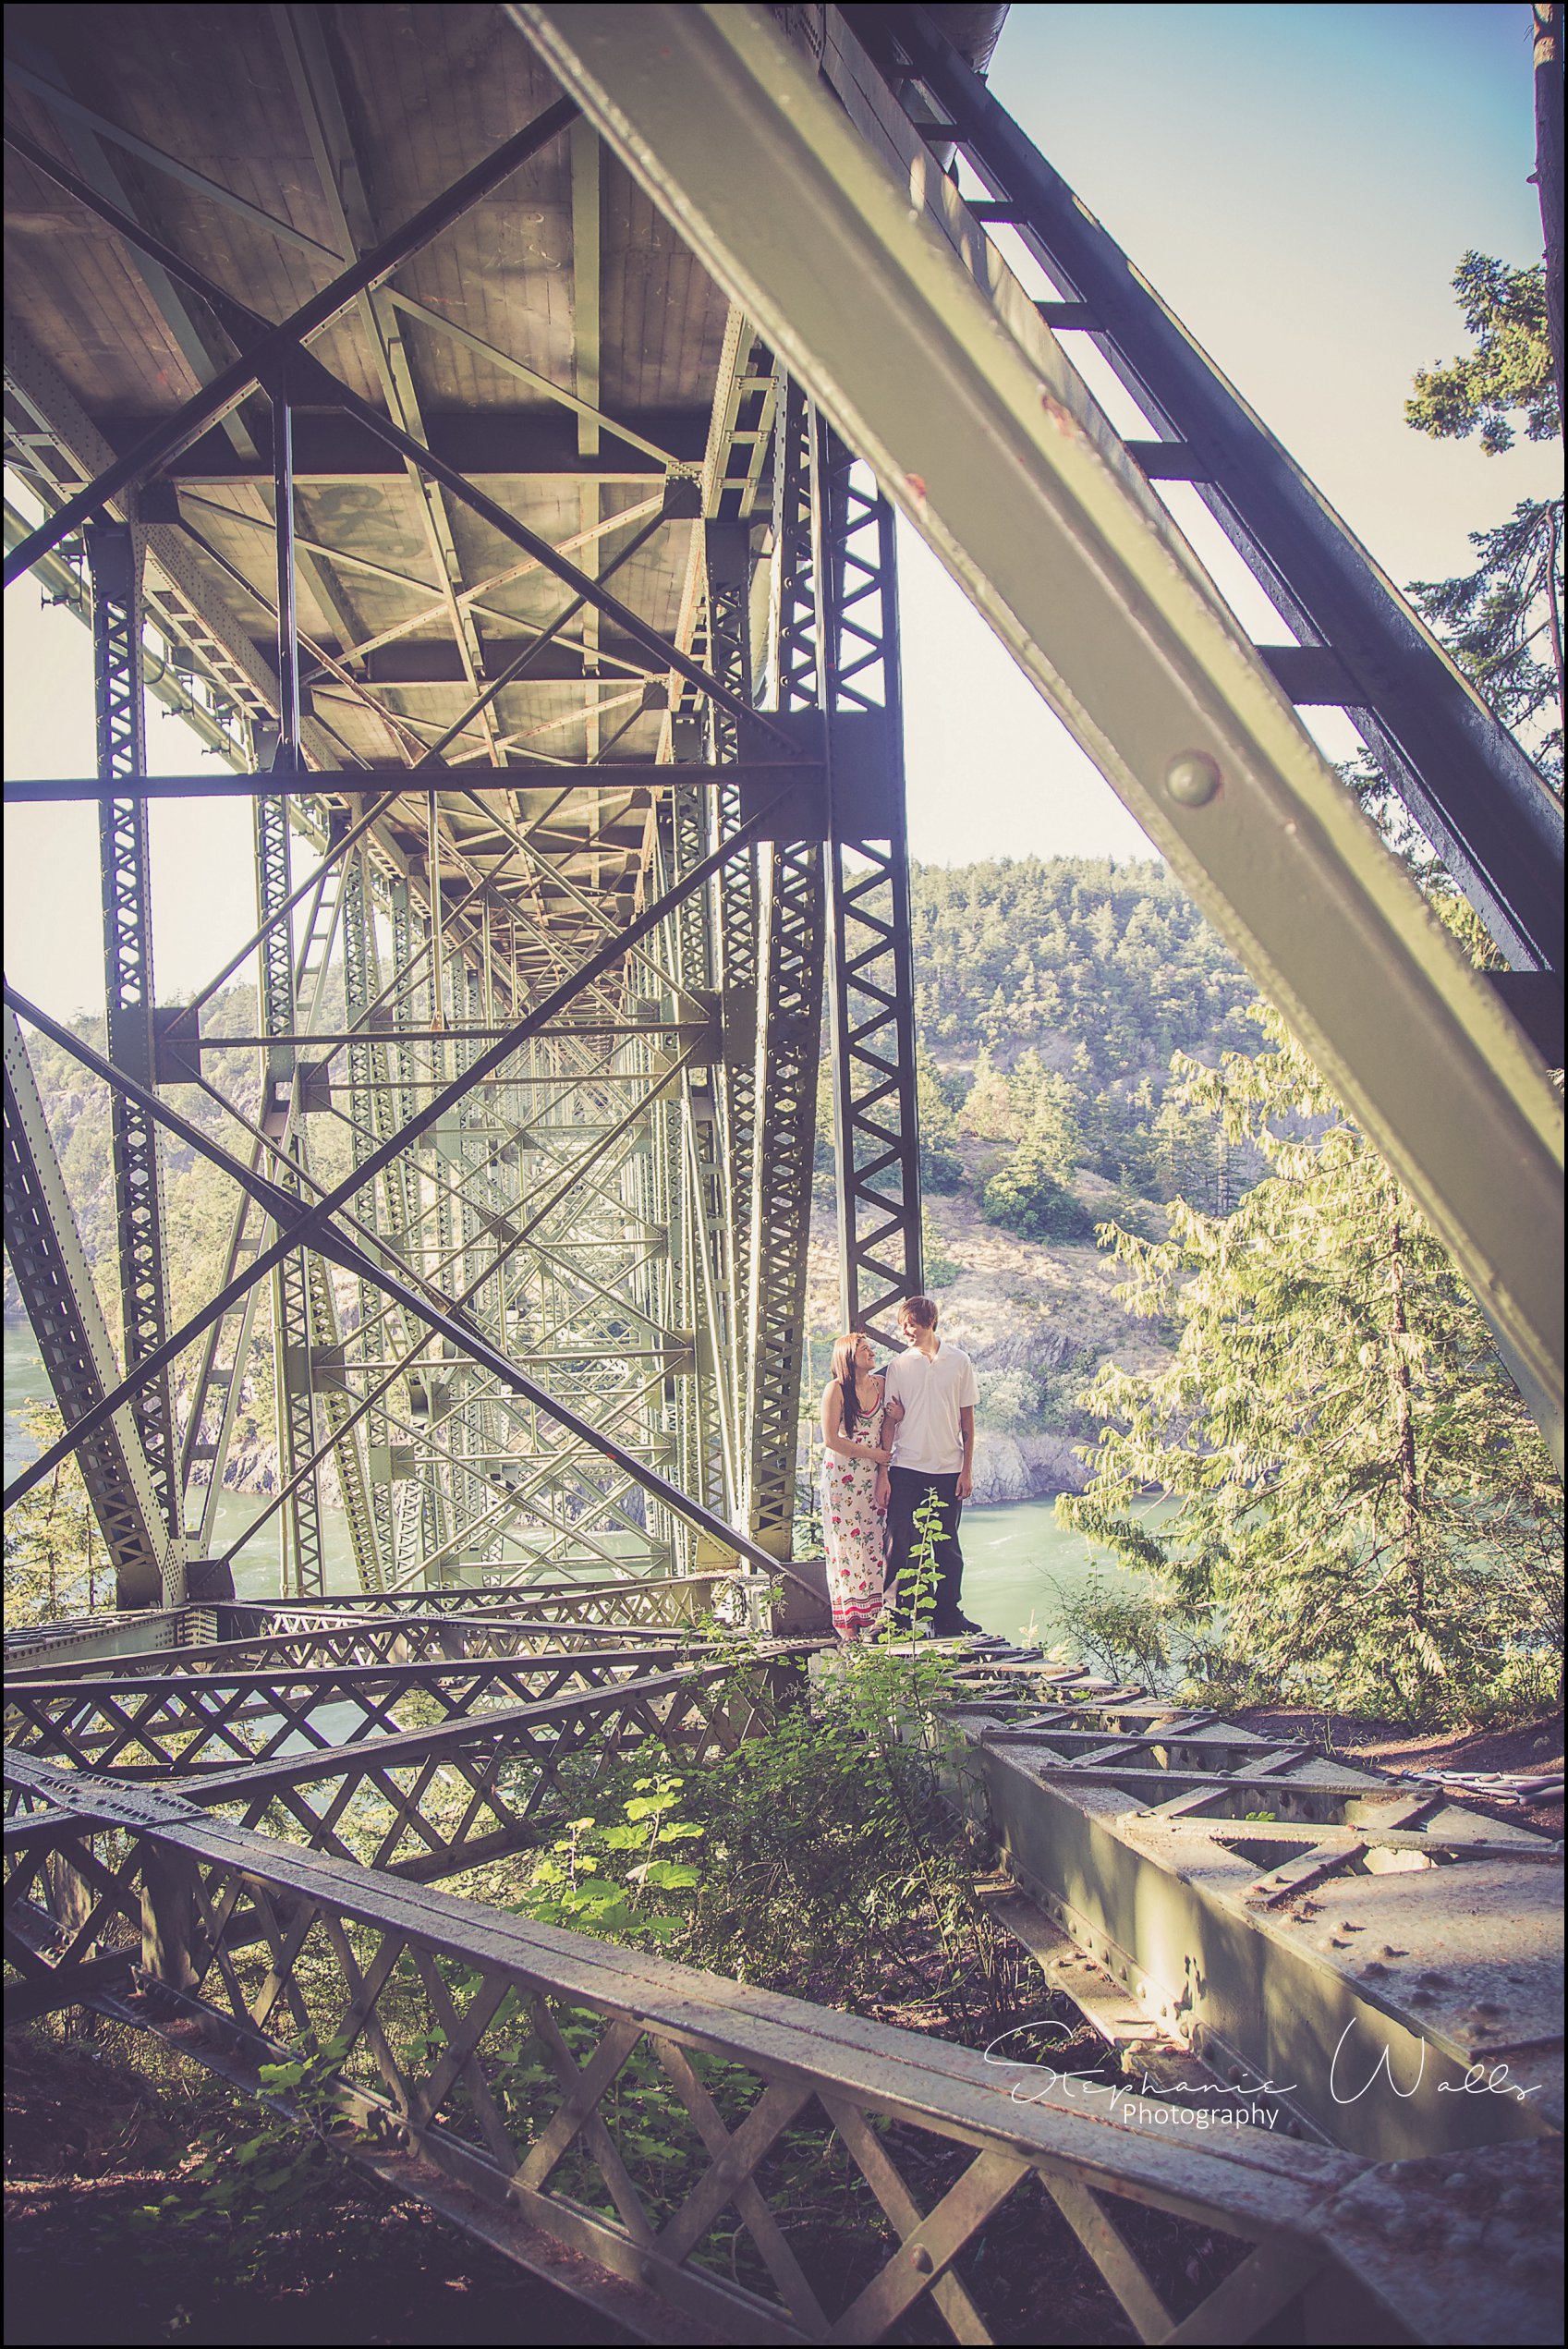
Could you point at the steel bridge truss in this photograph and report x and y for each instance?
(902, 177)
(615, 1188)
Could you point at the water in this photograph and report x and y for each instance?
(1016, 1559)
(1015, 1555)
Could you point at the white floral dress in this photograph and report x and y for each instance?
(855, 1530)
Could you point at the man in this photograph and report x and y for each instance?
(933, 1391)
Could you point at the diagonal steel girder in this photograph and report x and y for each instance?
(616, 775)
(958, 397)
(59, 1293)
(1469, 785)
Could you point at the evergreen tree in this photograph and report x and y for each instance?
(56, 1563)
(1030, 1197)
(1191, 1159)
(1498, 619)
(942, 1169)
(1367, 1517)
(991, 1109)
(1053, 1131)
(1508, 375)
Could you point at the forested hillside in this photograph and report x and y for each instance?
(1052, 994)
(1068, 955)
(1074, 981)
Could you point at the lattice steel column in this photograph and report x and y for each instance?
(304, 1569)
(789, 999)
(58, 1290)
(303, 1565)
(728, 568)
(366, 1066)
(871, 981)
(699, 1242)
(113, 555)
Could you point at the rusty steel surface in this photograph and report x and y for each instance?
(1391, 1959)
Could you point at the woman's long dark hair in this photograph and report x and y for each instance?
(843, 1374)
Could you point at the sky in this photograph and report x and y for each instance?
(1297, 182)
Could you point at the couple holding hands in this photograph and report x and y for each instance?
(893, 1438)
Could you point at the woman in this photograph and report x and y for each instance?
(855, 1416)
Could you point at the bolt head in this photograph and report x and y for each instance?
(1193, 779)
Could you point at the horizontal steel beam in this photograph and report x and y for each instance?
(509, 443)
(622, 774)
(414, 663)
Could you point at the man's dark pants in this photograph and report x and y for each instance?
(908, 1489)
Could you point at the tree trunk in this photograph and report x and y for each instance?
(1548, 173)
(1405, 1440)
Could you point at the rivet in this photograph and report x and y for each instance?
(1192, 779)
(648, 2271)
(920, 2259)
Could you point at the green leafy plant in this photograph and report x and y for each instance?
(585, 1882)
(246, 2191)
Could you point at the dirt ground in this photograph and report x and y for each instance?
(86, 2147)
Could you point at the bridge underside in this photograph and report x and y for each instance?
(557, 631)
(515, 504)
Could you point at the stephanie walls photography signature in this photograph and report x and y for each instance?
(1350, 2078)
(1481, 2079)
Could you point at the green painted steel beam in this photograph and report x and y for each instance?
(960, 399)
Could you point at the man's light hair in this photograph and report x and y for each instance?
(921, 1309)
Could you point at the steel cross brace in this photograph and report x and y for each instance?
(184, 1723)
(304, 1230)
(324, 1235)
(227, 389)
(280, 362)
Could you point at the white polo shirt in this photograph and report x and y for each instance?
(933, 1391)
